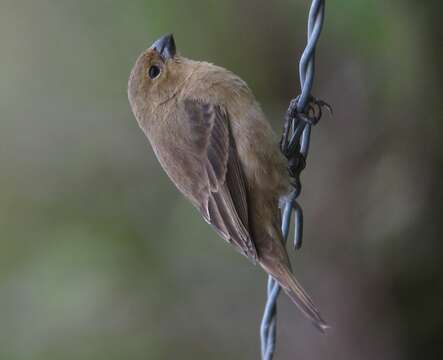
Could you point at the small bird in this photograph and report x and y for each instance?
(214, 142)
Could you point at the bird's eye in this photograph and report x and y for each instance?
(154, 71)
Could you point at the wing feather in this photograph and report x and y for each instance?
(223, 202)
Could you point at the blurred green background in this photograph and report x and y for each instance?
(101, 258)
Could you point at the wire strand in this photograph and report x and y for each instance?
(299, 119)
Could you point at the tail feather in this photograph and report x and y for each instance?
(299, 296)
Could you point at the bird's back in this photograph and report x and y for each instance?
(257, 145)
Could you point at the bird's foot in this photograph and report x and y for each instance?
(312, 113)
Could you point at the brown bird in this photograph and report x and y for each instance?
(212, 139)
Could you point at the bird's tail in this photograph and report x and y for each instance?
(299, 296)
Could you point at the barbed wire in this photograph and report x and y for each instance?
(303, 112)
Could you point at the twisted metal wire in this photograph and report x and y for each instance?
(303, 112)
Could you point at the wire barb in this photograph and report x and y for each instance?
(303, 112)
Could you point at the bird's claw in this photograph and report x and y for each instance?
(312, 113)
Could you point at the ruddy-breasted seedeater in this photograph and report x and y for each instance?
(214, 142)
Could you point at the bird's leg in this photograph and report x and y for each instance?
(296, 164)
(295, 122)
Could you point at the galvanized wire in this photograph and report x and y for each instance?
(303, 112)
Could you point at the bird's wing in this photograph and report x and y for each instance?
(222, 199)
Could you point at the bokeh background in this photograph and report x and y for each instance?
(101, 258)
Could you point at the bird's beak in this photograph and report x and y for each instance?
(165, 46)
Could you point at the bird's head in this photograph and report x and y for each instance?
(155, 76)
